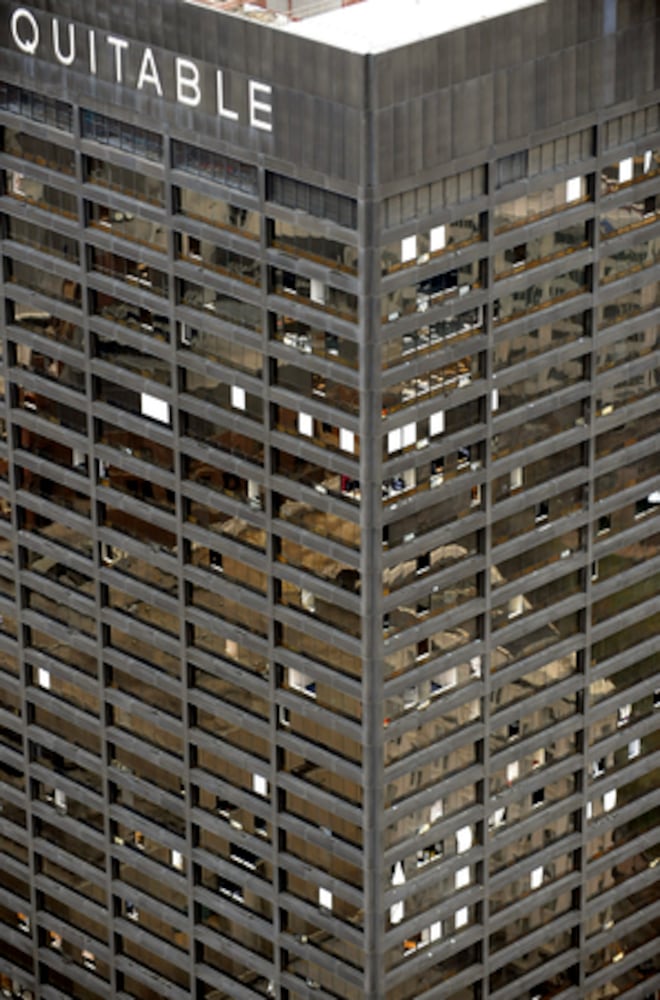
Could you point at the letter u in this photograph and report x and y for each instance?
(67, 59)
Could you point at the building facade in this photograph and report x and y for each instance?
(330, 479)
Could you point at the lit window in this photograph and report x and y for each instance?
(88, 959)
(43, 678)
(259, 784)
(238, 397)
(437, 423)
(55, 940)
(435, 931)
(497, 819)
(495, 400)
(536, 878)
(305, 424)
(609, 800)
(299, 681)
(438, 238)
(626, 170)
(624, 713)
(516, 478)
(634, 749)
(408, 435)
(408, 248)
(394, 440)
(463, 839)
(462, 877)
(573, 188)
(346, 440)
(156, 409)
(461, 917)
(512, 772)
(435, 811)
(325, 899)
(176, 860)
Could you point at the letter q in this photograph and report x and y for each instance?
(30, 43)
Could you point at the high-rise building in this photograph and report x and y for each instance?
(329, 493)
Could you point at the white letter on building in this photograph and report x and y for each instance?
(149, 72)
(119, 44)
(187, 82)
(222, 110)
(67, 59)
(257, 106)
(28, 45)
(91, 34)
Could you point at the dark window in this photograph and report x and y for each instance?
(512, 168)
(316, 201)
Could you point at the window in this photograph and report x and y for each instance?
(626, 170)
(238, 397)
(461, 917)
(573, 189)
(438, 239)
(305, 424)
(497, 819)
(88, 959)
(634, 749)
(408, 248)
(346, 440)
(437, 423)
(176, 860)
(397, 910)
(624, 714)
(516, 606)
(609, 800)
(259, 784)
(462, 877)
(512, 772)
(156, 409)
(423, 562)
(325, 899)
(542, 512)
(463, 839)
(536, 878)
(512, 168)
(538, 797)
(401, 437)
(604, 524)
(43, 678)
(516, 478)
